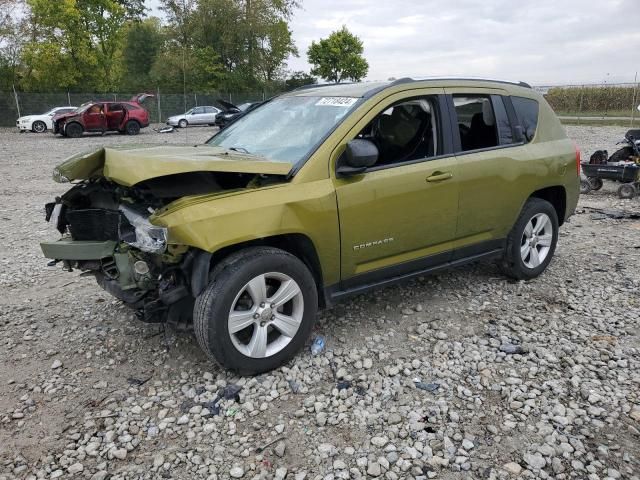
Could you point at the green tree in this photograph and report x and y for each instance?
(142, 45)
(199, 67)
(338, 57)
(78, 42)
(299, 79)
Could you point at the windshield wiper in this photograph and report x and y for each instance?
(240, 149)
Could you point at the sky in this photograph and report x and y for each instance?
(542, 42)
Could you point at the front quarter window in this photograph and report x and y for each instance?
(287, 128)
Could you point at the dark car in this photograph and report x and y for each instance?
(124, 117)
(231, 112)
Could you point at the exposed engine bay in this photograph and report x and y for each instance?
(106, 232)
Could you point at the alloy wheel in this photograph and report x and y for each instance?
(536, 240)
(265, 315)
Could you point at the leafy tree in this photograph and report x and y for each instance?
(81, 40)
(338, 57)
(299, 79)
(12, 38)
(142, 45)
(199, 67)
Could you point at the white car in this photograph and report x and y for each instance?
(205, 115)
(40, 123)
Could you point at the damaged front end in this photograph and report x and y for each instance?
(106, 223)
(106, 232)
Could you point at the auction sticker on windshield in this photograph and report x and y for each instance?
(336, 101)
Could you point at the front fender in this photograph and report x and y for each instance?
(306, 208)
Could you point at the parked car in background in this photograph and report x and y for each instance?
(124, 117)
(43, 122)
(320, 193)
(205, 115)
(232, 113)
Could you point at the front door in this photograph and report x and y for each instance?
(94, 118)
(399, 217)
(197, 116)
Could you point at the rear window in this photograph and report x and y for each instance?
(527, 113)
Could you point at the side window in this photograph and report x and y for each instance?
(505, 130)
(116, 107)
(198, 110)
(210, 110)
(476, 121)
(405, 131)
(527, 113)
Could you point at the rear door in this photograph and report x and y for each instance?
(399, 217)
(490, 160)
(210, 114)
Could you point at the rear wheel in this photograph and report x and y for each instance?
(585, 186)
(532, 241)
(258, 310)
(73, 130)
(132, 127)
(39, 126)
(627, 190)
(183, 123)
(596, 183)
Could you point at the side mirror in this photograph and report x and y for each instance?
(359, 155)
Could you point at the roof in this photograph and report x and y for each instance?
(367, 89)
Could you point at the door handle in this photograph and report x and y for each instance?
(439, 176)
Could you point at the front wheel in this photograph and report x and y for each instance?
(258, 310)
(532, 240)
(183, 123)
(73, 130)
(39, 126)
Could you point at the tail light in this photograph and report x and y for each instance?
(577, 160)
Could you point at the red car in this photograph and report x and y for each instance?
(124, 117)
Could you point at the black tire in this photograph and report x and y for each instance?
(585, 186)
(512, 264)
(73, 130)
(596, 183)
(183, 123)
(132, 127)
(39, 126)
(212, 307)
(621, 155)
(627, 191)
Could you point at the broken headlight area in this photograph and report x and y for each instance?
(136, 230)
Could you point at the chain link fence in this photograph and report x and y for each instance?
(579, 103)
(161, 106)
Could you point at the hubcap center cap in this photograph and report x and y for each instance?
(265, 313)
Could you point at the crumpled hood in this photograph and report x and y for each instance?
(131, 165)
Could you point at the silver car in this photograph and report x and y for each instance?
(205, 115)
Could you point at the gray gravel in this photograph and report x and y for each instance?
(458, 375)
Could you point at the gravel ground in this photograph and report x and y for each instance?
(457, 375)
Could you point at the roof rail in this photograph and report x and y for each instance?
(314, 85)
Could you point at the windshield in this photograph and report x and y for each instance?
(286, 128)
(85, 107)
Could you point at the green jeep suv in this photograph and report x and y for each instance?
(319, 193)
